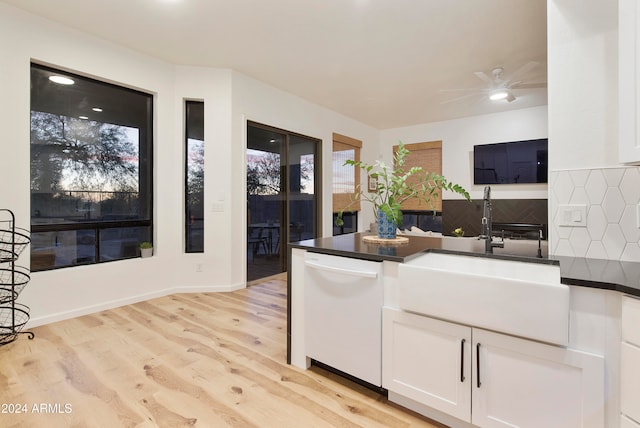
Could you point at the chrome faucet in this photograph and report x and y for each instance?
(487, 225)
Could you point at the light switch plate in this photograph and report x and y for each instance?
(572, 215)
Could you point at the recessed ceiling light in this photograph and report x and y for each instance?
(83, 117)
(61, 80)
(97, 109)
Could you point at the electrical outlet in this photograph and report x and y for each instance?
(574, 215)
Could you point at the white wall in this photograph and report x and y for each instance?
(230, 99)
(68, 292)
(213, 87)
(458, 138)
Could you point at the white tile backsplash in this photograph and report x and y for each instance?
(611, 196)
(629, 186)
(596, 187)
(613, 205)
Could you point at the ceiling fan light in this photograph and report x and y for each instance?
(498, 94)
(61, 80)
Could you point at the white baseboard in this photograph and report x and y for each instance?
(86, 310)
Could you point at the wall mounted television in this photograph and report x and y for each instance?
(511, 162)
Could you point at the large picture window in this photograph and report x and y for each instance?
(91, 170)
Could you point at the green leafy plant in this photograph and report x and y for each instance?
(146, 245)
(458, 232)
(393, 187)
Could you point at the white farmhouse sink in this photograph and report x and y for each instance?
(520, 298)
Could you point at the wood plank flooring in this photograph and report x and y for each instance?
(201, 360)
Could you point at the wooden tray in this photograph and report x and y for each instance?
(373, 239)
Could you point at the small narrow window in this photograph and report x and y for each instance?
(194, 176)
(346, 182)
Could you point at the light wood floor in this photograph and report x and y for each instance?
(203, 360)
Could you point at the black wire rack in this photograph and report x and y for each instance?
(13, 278)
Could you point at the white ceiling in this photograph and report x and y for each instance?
(381, 62)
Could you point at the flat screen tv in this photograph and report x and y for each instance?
(511, 162)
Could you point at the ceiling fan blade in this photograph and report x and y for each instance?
(529, 85)
(462, 90)
(453, 100)
(483, 76)
(523, 70)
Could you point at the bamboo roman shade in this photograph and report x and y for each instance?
(346, 178)
(428, 156)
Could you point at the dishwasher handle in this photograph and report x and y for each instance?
(342, 271)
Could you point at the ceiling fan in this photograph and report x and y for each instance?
(498, 87)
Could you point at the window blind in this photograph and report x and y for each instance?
(427, 155)
(346, 178)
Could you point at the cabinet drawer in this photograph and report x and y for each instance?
(630, 381)
(631, 320)
(625, 422)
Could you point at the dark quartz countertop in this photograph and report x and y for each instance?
(596, 273)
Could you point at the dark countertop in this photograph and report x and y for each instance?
(596, 273)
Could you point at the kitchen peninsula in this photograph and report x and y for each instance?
(391, 344)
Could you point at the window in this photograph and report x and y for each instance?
(346, 178)
(429, 157)
(194, 177)
(350, 223)
(91, 170)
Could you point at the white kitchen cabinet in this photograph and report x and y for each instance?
(630, 360)
(629, 81)
(428, 361)
(518, 382)
(631, 320)
(490, 379)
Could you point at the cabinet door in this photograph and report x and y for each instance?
(630, 380)
(628, 72)
(428, 361)
(522, 383)
(631, 320)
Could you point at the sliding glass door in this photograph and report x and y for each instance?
(282, 205)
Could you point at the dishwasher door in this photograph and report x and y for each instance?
(343, 300)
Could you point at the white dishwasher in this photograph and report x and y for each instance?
(343, 300)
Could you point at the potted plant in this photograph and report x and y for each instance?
(146, 249)
(394, 185)
(458, 232)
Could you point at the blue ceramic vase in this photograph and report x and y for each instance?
(386, 226)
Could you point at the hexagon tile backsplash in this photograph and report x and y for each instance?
(612, 199)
